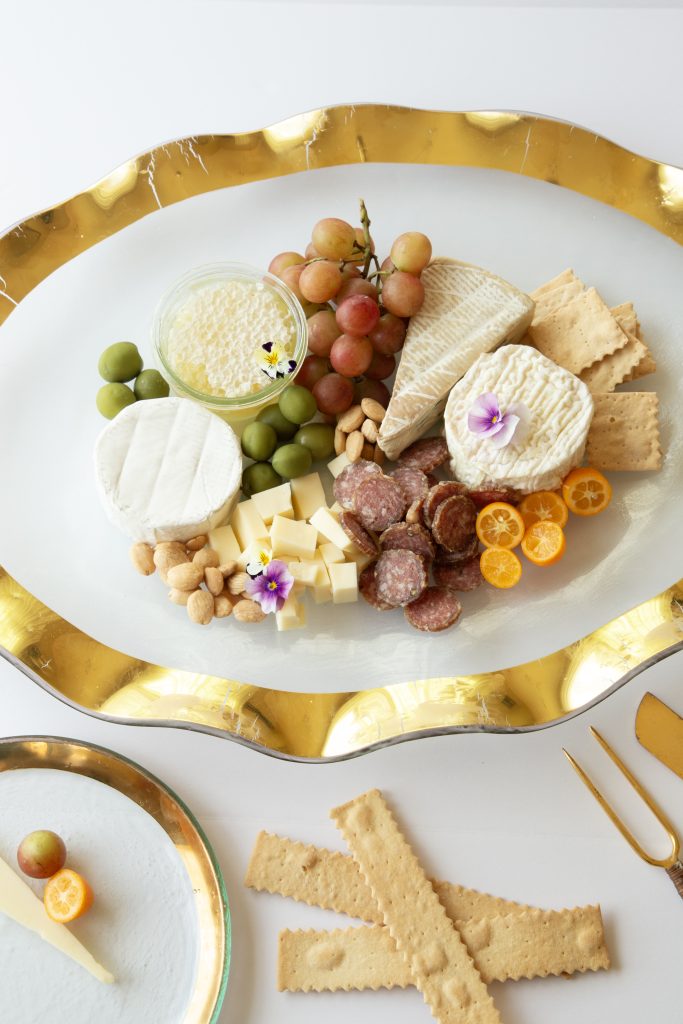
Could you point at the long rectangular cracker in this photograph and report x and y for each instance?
(535, 943)
(646, 365)
(440, 964)
(551, 300)
(624, 433)
(565, 277)
(579, 333)
(616, 368)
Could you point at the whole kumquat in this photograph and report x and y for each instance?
(67, 895)
(500, 525)
(544, 543)
(543, 506)
(586, 491)
(500, 567)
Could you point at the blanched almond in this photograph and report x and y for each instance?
(200, 607)
(227, 568)
(168, 554)
(206, 557)
(222, 606)
(339, 441)
(185, 577)
(370, 430)
(373, 410)
(248, 611)
(179, 596)
(142, 557)
(351, 419)
(354, 446)
(197, 543)
(237, 584)
(214, 580)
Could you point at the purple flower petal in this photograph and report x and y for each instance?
(272, 586)
(508, 426)
(484, 415)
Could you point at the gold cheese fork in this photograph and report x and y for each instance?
(671, 864)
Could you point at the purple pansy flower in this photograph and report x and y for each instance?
(271, 589)
(486, 419)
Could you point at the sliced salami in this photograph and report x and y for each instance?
(378, 502)
(425, 454)
(346, 483)
(465, 576)
(485, 495)
(401, 576)
(469, 549)
(435, 610)
(412, 482)
(454, 522)
(432, 479)
(437, 494)
(367, 585)
(356, 532)
(408, 537)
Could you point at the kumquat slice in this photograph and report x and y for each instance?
(544, 543)
(67, 895)
(500, 525)
(543, 506)
(500, 567)
(586, 491)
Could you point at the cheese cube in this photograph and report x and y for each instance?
(344, 580)
(304, 572)
(224, 541)
(330, 553)
(361, 559)
(336, 465)
(322, 592)
(276, 501)
(248, 524)
(289, 537)
(257, 551)
(307, 495)
(326, 524)
(292, 615)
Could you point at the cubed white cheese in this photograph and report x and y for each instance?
(276, 501)
(290, 537)
(336, 509)
(336, 465)
(344, 580)
(360, 558)
(292, 615)
(304, 572)
(307, 495)
(257, 551)
(322, 592)
(330, 553)
(248, 524)
(326, 524)
(224, 541)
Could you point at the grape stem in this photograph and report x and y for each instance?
(365, 224)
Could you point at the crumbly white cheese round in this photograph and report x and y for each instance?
(560, 407)
(167, 469)
(215, 336)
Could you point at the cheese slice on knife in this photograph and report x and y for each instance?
(467, 311)
(19, 902)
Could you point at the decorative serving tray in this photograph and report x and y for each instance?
(352, 681)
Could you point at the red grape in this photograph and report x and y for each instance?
(322, 331)
(387, 265)
(312, 369)
(411, 252)
(356, 286)
(311, 252)
(348, 271)
(350, 355)
(320, 281)
(381, 367)
(371, 389)
(402, 294)
(388, 336)
(357, 315)
(333, 393)
(290, 276)
(284, 260)
(333, 238)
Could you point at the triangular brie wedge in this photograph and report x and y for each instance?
(467, 311)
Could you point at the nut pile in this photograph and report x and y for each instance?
(357, 432)
(192, 572)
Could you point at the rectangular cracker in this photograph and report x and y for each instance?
(616, 368)
(624, 434)
(566, 277)
(579, 333)
(646, 365)
(440, 964)
(551, 300)
(535, 943)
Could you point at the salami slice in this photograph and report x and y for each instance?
(401, 577)
(465, 576)
(486, 495)
(432, 479)
(378, 502)
(367, 585)
(425, 454)
(346, 483)
(437, 494)
(435, 610)
(469, 549)
(412, 482)
(454, 522)
(408, 537)
(356, 532)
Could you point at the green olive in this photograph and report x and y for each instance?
(297, 404)
(112, 398)
(283, 427)
(258, 441)
(292, 460)
(318, 438)
(150, 384)
(259, 477)
(120, 362)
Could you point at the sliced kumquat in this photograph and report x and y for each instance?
(500, 567)
(543, 506)
(500, 525)
(586, 491)
(67, 895)
(544, 543)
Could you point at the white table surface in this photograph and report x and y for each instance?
(83, 89)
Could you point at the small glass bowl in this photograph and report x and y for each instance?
(239, 407)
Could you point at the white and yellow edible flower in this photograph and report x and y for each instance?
(275, 361)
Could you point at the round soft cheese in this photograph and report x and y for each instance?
(167, 469)
(560, 413)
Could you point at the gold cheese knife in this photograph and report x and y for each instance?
(660, 730)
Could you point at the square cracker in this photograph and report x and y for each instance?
(617, 367)
(566, 277)
(439, 961)
(624, 434)
(579, 333)
(551, 300)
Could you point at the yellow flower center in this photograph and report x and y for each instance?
(272, 585)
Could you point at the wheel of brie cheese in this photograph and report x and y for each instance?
(167, 469)
(560, 410)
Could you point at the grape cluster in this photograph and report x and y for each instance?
(357, 308)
